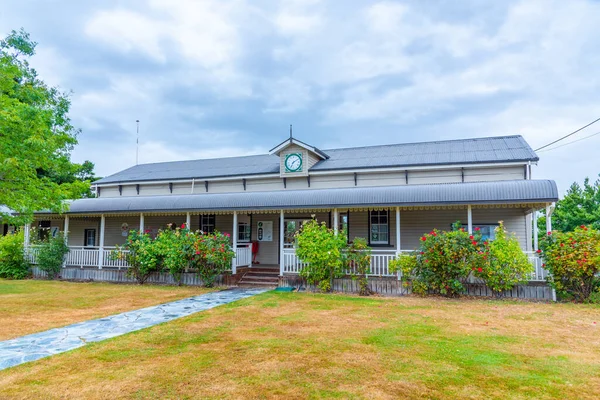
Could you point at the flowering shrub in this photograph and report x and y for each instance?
(358, 260)
(444, 261)
(505, 264)
(13, 264)
(141, 254)
(573, 260)
(175, 249)
(211, 255)
(321, 248)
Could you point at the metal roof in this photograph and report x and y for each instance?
(465, 151)
(502, 192)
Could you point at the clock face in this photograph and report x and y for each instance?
(293, 162)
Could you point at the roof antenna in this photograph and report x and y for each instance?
(137, 142)
(290, 131)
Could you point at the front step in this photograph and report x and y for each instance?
(260, 277)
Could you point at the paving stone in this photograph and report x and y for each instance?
(54, 341)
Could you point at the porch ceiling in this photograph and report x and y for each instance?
(501, 192)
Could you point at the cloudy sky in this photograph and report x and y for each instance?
(220, 78)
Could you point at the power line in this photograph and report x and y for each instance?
(574, 141)
(570, 134)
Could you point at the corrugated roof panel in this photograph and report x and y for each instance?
(480, 150)
(521, 191)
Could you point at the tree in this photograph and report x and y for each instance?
(580, 206)
(36, 136)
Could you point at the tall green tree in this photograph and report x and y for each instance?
(36, 136)
(579, 206)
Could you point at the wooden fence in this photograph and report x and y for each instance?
(394, 287)
(120, 276)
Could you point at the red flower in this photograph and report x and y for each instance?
(422, 252)
(543, 265)
(147, 231)
(538, 251)
(423, 238)
(198, 253)
(477, 229)
(471, 237)
(474, 243)
(182, 226)
(473, 268)
(479, 269)
(582, 226)
(562, 245)
(485, 243)
(549, 233)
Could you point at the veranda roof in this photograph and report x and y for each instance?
(502, 192)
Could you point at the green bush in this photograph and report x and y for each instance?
(175, 247)
(573, 261)
(505, 264)
(13, 264)
(443, 263)
(321, 249)
(52, 255)
(211, 255)
(358, 262)
(141, 254)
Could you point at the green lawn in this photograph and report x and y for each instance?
(30, 306)
(293, 346)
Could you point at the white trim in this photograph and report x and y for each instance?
(325, 172)
(416, 168)
(189, 180)
(292, 141)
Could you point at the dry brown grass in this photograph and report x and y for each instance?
(296, 346)
(32, 306)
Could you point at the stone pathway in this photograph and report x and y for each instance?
(54, 341)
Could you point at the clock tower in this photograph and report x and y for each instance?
(296, 157)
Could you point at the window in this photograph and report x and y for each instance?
(379, 227)
(89, 237)
(44, 229)
(488, 231)
(207, 223)
(244, 232)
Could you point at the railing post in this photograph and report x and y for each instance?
(141, 223)
(101, 248)
(27, 236)
(66, 237)
(470, 219)
(549, 212)
(281, 239)
(235, 239)
(336, 221)
(188, 220)
(397, 239)
(535, 231)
